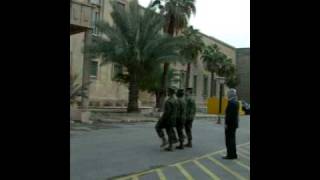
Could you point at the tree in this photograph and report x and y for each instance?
(151, 83)
(232, 81)
(213, 59)
(176, 14)
(134, 41)
(193, 48)
(75, 89)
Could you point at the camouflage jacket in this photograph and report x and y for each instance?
(191, 109)
(170, 112)
(181, 110)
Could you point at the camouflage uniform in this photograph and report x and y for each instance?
(190, 114)
(181, 117)
(168, 120)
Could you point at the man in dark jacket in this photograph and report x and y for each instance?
(190, 114)
(181, 117)
(231, 124)
(168, 119)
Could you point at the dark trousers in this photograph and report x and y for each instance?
(188, 129)
(180, 127)
(170, 133)
(230, 134)
(160, 126)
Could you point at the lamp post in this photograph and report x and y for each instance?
(221, 81)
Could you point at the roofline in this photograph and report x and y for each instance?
(215, 39)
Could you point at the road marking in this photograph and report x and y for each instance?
(184, 172)
(161, 175)
(244, 156)
(135, 178)
(244, 151)
(206, 170)
(241, 164)
(178, 165)
(237, 175)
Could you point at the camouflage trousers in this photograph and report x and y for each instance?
(188, 129)
(170, 130)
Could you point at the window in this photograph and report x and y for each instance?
(96, 2)
(182, 80)
(95, 19)
(205, 86)
(117, 69)
(195, 84)
(121, 5)
(93, 69)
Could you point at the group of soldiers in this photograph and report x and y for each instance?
(178, 116)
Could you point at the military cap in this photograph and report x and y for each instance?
(180, 92)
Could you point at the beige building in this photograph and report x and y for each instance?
(104, 91)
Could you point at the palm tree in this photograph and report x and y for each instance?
(176, 14)
(134, 41)
(75, 89)
(214, 61)
(152, 83)
(192, 49)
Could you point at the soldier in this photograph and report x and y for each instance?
(190, 114)
(231, 124)
(168, 120)
(181, 117)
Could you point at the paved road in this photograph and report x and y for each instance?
(112, 151)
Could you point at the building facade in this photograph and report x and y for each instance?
(104, 91)
(243, 66)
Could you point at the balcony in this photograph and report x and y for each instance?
(80, 17)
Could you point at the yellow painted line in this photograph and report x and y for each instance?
(242, 165)
(178, 164)
(135, 178)
(244, 151)
(184, 172)
(206, 170)
(161, 175)
(244, 156)
(207, 155)
(237, 175)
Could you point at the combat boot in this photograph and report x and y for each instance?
(164, 142)
(189, 144)
(180, 146)
(169, 148)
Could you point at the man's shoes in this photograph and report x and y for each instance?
(164, 142)
(180, 147)
(229, 157)
(168, 149)
(188, 145)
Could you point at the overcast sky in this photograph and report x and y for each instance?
(227, 20)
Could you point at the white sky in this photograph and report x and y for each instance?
(227, 20)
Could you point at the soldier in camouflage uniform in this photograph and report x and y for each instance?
(190, 114)
(181, 117)
(168, 120)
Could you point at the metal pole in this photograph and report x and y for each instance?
(220, 103)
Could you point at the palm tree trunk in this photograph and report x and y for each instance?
(164, 86)
(213, 86)
(133, 93)
(157, 99)
(188, 75)
(164, 78)
(86, 74)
